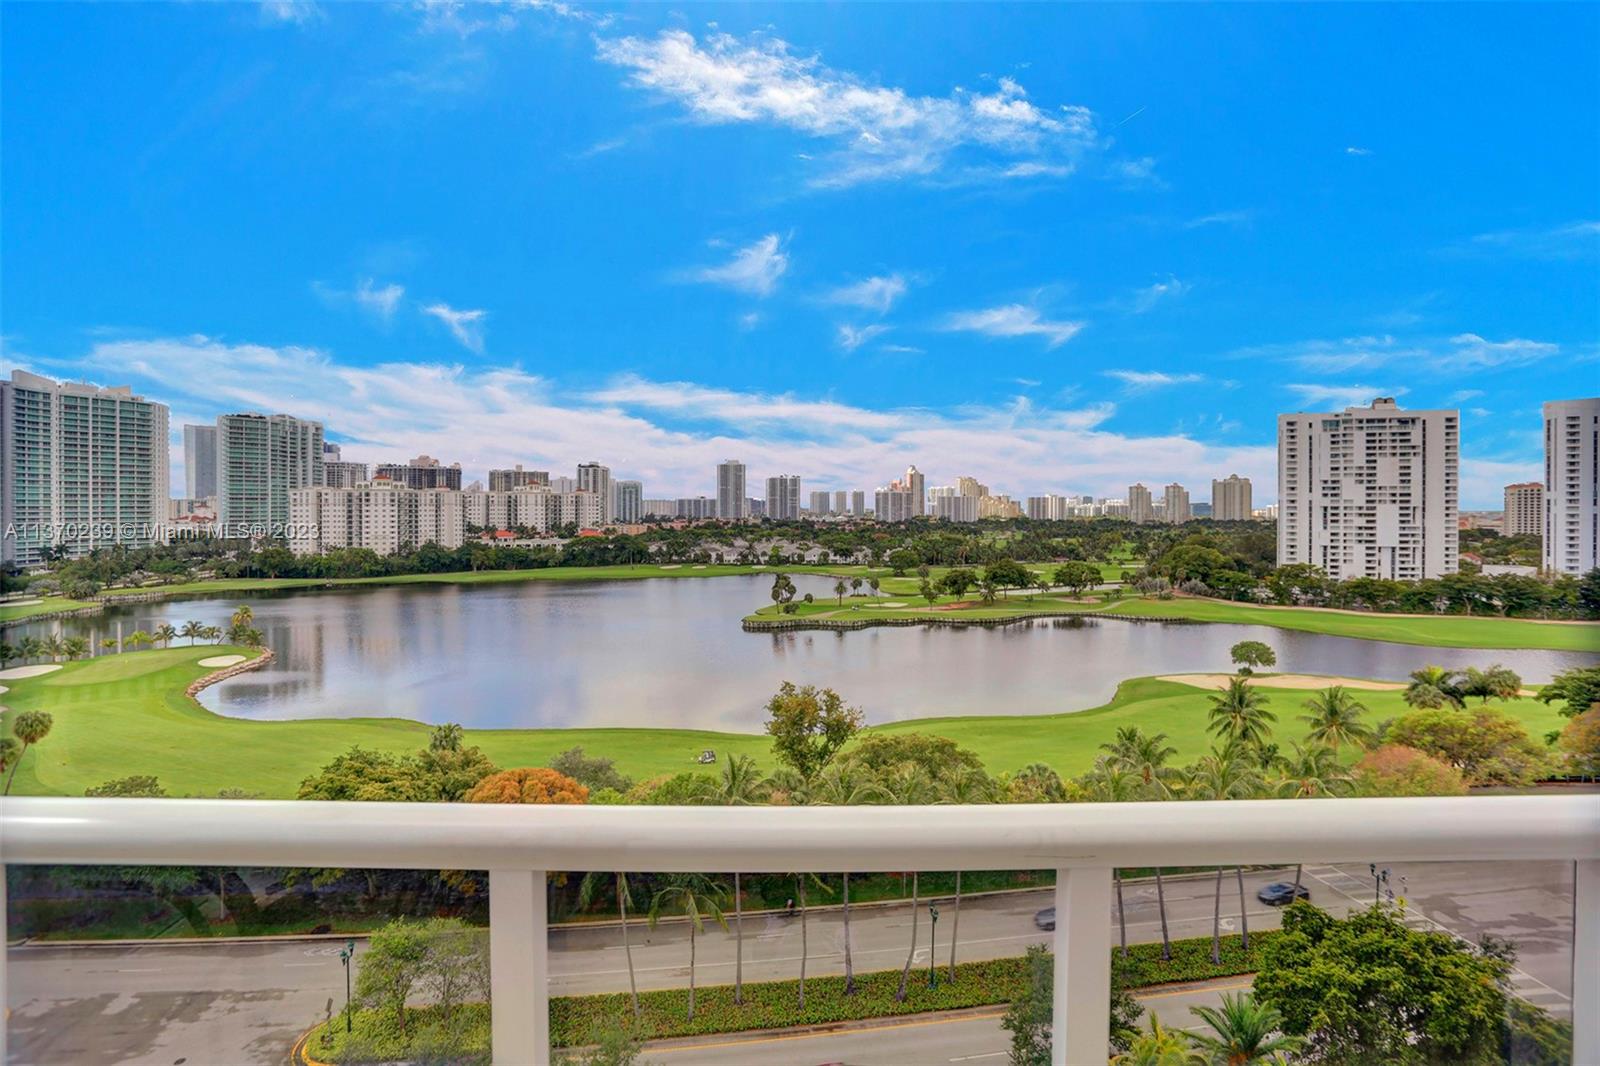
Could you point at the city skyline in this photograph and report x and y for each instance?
(1057, 260)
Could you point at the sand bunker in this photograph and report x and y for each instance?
(222, 660)
(17, 673)
(1304, 681)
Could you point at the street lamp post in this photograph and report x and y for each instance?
(345, 955)
(933, 940)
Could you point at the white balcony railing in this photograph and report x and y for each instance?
(1082, 842)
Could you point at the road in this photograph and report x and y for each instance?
(234, 1002)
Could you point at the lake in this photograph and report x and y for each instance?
(670, 652)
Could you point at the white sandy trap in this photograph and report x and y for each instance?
(22, 603)
(670, 566)
(891, 603)
(222, 660)
(1304, 681)
(17, 673)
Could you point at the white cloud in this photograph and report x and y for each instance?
(1147, 297)
(1353, 150)
(749, 320)
(755, 268)
(465, 326)
(297, 12)
(871, 294)
(901, 349)
(381, 301)
(853, 337)
(1146, 380)
(1472, 352)
(877, 132)
(1569, 240)
(1038, 170)
(1463, 395)
(1341, 396)
(1220, 218)
(1014, 320)
(1141, 171)
(1462, 353)
(670, 434)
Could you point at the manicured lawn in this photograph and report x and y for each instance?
(46, 605)
(127, 714)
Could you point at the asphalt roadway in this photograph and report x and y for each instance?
(232, 1002)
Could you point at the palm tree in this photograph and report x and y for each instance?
(839, 589)
(741, 785)
(699, 898)
(973, 786)
(1160, 1047)
(1433, 687)
(1239, 715)
(587, 890)
(1143, 755)
(192, 629)
(31, 648)
(905, 971)
(1498, 682)
(76, 647)
(29, 727)
(55, 647)
(855, 586)
(10, 751)
(873, 583)
(109, 643)
(800, 880)
(1314, 771)
(213, 634)
(1335, 718)
(165, 633)
(842, 784)
(7, 653)
(1246, 1032)
(1222, 774)
(1161, 909)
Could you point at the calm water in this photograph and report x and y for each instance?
(672, 653)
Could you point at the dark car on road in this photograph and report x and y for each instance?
(1045, 919)
(1280, 893)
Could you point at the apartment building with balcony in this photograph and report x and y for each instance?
(1572, 486)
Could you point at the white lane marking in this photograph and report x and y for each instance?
(985, 1055)
(152, 969)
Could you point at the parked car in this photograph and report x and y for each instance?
(1280, 893)
(1046, 919)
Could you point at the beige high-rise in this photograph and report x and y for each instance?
(1230, 499)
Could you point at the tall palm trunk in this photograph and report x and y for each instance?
(849, 969)
(800, 894)
(1298, 867)
(905, 972)
(1161, 905)
(691, 967)
(955, 927)
(738, 945)
(1122, 915)
(1244, 919)
(627, 948)
(1216, 923)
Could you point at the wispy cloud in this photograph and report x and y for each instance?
(1341, 395)
(853, 337)
(876, 132)
(1463, 395)
(871, 294)
(901, 349)
(295, 12)
(1569, 240)
(754, 269)
(1353, 150)
(1135, 172)
(1146, 298)
(1471, 352)
(1221, 218)
(465, 326)
(379, 301)
(1462, 353)
(1014, 320)
(1149, 380)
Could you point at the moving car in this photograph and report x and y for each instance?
(1046, 919)
(1280, 893)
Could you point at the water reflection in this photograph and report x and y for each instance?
(671, 653)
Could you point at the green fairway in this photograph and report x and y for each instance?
(46, 605)
(127, 714)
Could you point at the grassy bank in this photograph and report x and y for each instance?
(768, 1004)
(127, 714)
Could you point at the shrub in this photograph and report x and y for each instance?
(1396, 770)
(528, 784)
(1489, 747)
(592, 773)
(1580, 740)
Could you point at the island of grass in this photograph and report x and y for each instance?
(127, 714)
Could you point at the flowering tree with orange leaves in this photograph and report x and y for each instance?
(528, 784)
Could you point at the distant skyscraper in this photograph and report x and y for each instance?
(503, 480)
(595, 478)
(1572, 485)
(1140, 507)
(199, 461)
(1230, 499)
(81, 467)
(841, 502)
(260, 460)
(730, 490)
(819, 503)
(783, 497)
(916, 485)
(1177, 509)
(630, 502)
(423, 472)
(858, 502)
(893, 503)
(1524, 513)
(1370, 491)
(971, 486)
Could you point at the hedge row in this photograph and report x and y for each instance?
(574, 1020)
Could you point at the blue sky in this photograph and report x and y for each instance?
(1057, 247)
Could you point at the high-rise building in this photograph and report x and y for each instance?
(383, 516)
(971, 486)
(423, 472)
(819, 503)
(1370, 491)
(893, 503)
(1051, 508)
(954, 507)
(1230, 499)
(81, 467)
(337, 472)
(503, 480)
(730, 490)
(916, 485)
(1140, 507)
(595, 478)
(697, 507)
(1524, 513)
(841, 501)
(1177, 509)
(1571, 486)
(858, 502)
(783, 497)
(630, 502)
(997, 505)
(199, 461)
(260, 460)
